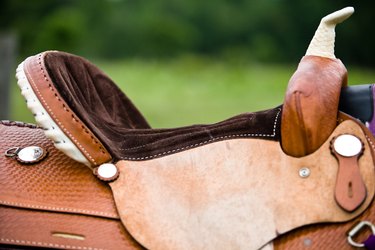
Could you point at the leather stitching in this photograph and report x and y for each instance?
(59, 209)
(369, 141)
(52, 113)
(45, 244)
(226, 137)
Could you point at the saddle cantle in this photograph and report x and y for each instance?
(235, 184)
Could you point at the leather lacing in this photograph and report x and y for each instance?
(19, 124)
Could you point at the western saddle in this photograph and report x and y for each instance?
(296, 176)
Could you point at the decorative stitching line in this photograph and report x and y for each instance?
(38, 243)
(369, 141)
(367, 138)
(60, 209)
(52, 113)
(208, 141)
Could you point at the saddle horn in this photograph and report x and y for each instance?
(323, 42)
(311, 102)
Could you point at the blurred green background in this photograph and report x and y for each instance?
(188, 61)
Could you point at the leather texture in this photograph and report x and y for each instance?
(350, 189)
(25, 227)
(74, 91)
(233, 193)
(311, 104)
(42, 85)
(258, 126)
(55, 196)
(325, 236)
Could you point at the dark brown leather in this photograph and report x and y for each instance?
(115, 121)
(56, 195)
(311, 104)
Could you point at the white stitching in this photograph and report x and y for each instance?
(61, 209)
(38, 243)
(370, 141)
(208, 141)
(54, 116)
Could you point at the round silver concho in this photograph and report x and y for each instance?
(347, 145)
(31, 154)
(28, 155)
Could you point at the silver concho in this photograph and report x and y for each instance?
(28, 155)
(347, 145)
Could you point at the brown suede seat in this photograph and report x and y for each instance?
(116, 122)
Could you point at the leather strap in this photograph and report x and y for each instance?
(350, 190)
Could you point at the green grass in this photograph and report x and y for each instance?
(191, 90)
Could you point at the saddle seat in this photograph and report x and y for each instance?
(112, 119)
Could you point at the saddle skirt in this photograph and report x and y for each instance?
(233, 194)
(57, 197)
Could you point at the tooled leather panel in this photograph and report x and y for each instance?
(111, 116)
(57, 183)
(325, 236)
(41, 229)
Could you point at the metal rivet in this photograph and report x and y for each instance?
(307, 242)
(304, 172)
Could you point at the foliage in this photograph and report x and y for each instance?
(189, 89)
(266, 31)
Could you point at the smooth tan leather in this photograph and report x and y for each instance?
(232, 194)
(311, 104)
(89, 145)
(329, 236)
(350, 189)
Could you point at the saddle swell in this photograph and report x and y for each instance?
(311, 104)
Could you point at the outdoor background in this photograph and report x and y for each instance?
(186, 61)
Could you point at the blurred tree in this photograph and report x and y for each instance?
(268, 30)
